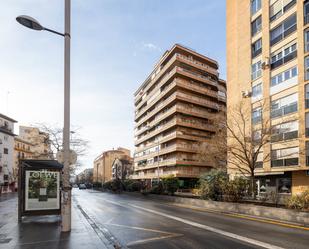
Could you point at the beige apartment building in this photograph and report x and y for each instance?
(102, 165)
(268, 64)
(41, 146)
(174, 112)
(22, 150)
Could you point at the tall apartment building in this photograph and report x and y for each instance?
(268, 59)
(102, 165)
(7, 181)
(41, 147)
(174, 112)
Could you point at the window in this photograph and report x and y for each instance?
(307, 68)
(255, 6)
(307, 96)
(256, 26)
(278, 8)
(307, 124)
(256, 48)
(284, 106)
(284, 185)
(256, 70)
(284, 131)
(283, 55)
(306, 40)
(5, 150)
(256, 115)
(307, 153)
(306, 12)
(283, 30)
(257, 91)
(283, 80)
(284, 157)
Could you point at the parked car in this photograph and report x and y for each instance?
(82, 186)
(75, 186)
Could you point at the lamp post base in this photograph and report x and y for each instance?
(66, 209)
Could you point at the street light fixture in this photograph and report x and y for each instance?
(31, 23)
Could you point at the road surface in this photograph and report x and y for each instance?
(133, 221)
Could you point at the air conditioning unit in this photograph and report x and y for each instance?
(246, 94)
(265, 63)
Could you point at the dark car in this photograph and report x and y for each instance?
(82, 186)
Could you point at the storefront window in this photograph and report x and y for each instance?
(284, 185)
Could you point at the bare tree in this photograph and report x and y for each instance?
(245, 143)
(77, 143)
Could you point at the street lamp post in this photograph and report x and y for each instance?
(31, 23)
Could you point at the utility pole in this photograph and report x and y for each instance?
(66, 187)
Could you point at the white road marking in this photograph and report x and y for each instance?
(143, 241)
(208, 228)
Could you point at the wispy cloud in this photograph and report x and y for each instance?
(151, 46)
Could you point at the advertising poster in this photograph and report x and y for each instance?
(42, 190)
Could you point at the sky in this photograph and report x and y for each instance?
(114, 46)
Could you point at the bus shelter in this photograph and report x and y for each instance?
(39, 188)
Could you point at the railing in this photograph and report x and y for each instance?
(213, 71)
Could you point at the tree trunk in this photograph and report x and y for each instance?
(252, 187)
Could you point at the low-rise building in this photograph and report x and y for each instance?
(7, 181)
(85, 177)
(102, 165)
(40, 141)
(122, 168)
(22, 150)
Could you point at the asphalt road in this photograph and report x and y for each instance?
(139, 222)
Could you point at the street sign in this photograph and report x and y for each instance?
(72, 158)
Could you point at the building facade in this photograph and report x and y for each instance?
(41, 146)
(268, 63)
(102, 165)
(85, 177)
(22, 150)
(7, 181)
(174, 112)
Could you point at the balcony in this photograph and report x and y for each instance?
(169, 149)
(163, 70)
(183, 72)
(181, 96)
(174, 122)
(170, 162)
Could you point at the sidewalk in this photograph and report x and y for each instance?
(43, 231)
